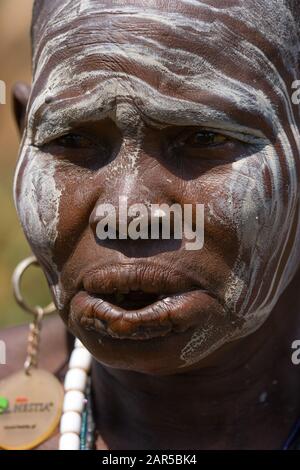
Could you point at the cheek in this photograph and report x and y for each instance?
(37, 200)
(250, 199)
(264, 210)
(237, 209)
(80, 190)
(249, 206)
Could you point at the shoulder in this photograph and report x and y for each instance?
(53, 346)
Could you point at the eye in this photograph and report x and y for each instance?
(74, 141)
(83, 150)
(204, 139)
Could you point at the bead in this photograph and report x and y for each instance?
(78, 343)
(70, 422)
(81, 359)
(73, 401)
(69, 441)
(74, 422)
(75, 380)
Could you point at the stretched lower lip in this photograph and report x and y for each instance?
(173, 314)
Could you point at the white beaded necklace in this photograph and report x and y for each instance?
(74, 400)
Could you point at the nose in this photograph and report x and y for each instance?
(135, 225)
(139, 220)
(134, 203)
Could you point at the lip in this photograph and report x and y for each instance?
(176, 309)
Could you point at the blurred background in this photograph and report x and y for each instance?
(15, 60)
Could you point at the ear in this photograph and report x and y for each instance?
(20, 94)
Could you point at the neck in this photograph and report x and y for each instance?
(245, 396)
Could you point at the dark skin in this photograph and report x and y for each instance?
(245, 395)
(224, 402)
(226, 399)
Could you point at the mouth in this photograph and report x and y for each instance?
(138, 303)
(133, 300)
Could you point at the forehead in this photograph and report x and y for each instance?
(188, 50)
(111, 21)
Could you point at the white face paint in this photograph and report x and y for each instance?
(37, 203)
(237, 79)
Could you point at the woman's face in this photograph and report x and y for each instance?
(161, 105)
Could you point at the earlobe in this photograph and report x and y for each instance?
(20, 93)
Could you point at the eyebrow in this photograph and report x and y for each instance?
(156, 109)
(221, 99)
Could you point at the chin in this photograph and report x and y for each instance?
(173, 353)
